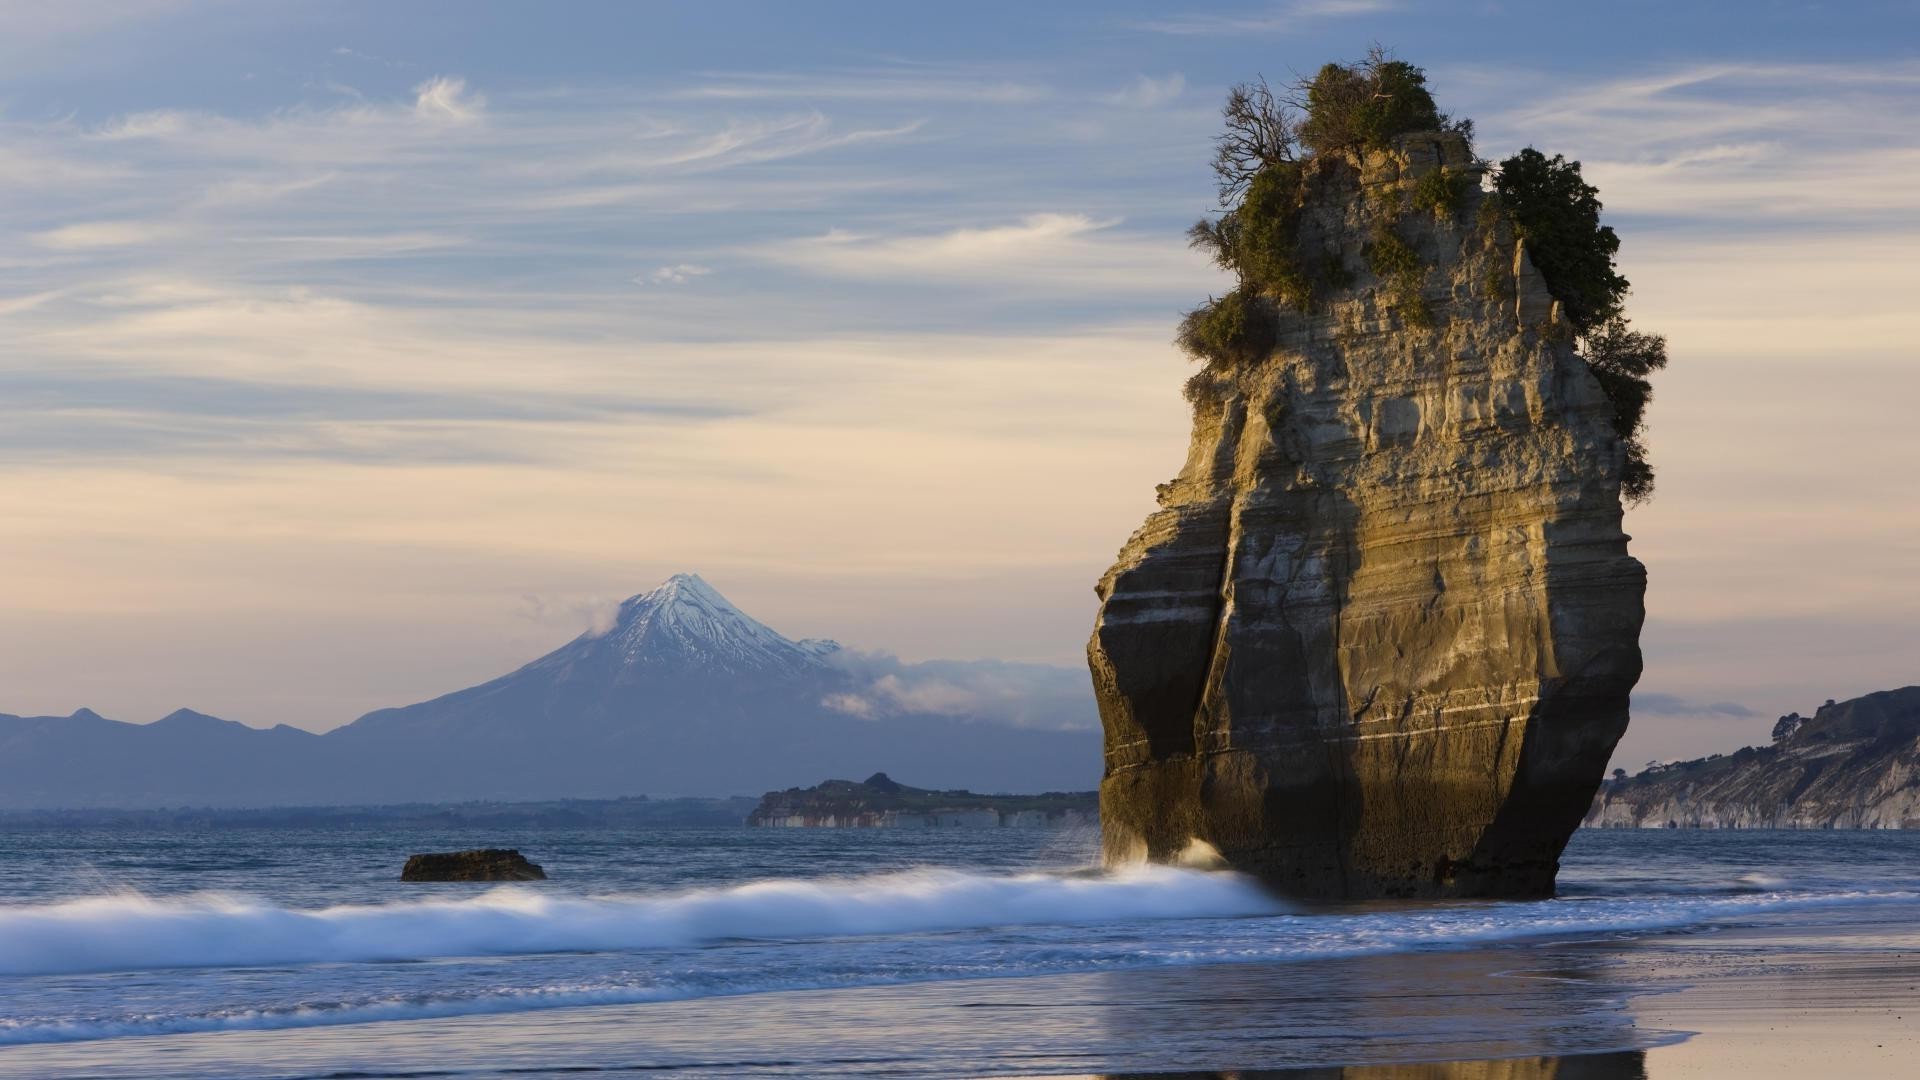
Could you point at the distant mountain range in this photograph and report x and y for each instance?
(1851, 765)
(684, 694)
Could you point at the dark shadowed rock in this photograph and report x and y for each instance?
(1380, 636)
(485, 864)
(883, 802)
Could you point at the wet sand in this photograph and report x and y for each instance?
(1825, 993)
(1794, 1001)
(1833, 998)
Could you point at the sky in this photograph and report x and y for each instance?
(355, 353)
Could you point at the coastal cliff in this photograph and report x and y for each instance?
(1379, 638)
(1851, 765)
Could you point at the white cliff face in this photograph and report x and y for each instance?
(1379, 638)
(1854, 765)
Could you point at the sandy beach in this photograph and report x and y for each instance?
(1833, 996)
(1828, 991)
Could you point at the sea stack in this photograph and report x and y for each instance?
(1378, 639)
(481, 864)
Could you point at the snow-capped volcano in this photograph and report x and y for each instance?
(683, 694)
(687, 624)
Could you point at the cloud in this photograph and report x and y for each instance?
(366, 57)
(997, 245)
(387, 356)
(916, 84)
(54, 36)
(1675, 705)
(94, 235)
(1148, 92)
(675, 274)
(1063, 251)
(989, 691)
(254, 191)
(154, 124)
(1279, 18)
(1776, 146)
(587, 615)
(446, 99)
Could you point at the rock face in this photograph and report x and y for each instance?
(1379, 638)
(1852, 765)
(484, 864)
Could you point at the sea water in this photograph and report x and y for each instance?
(118, 939)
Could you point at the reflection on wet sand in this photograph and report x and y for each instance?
(1520, 1012)
(1625, 1065)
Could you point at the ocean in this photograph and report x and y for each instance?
(802, 952)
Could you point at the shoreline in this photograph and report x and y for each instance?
(1753, 1002)
(1755, 998)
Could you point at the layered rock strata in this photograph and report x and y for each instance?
(1378, 640)
(1851, 765)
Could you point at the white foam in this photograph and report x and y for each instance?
(110, 933)
(130, 932)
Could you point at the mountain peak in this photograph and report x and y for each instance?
(180, 718)
(686, 623)
(691, 589)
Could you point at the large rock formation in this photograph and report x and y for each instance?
(1851, 765)
(1379, 638)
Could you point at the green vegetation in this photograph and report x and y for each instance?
(1621, 359)
(1497, 281)
(1362, 106)
(1442, 193)
(1267, 161)
(1265, 244)
(1234, 327)
(1258, 133)
(1557, 213)
(1278, 150)
(1395, 262)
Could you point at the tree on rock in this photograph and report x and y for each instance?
(1557, 213)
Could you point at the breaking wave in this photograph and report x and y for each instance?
(129, 932)
(883, 929)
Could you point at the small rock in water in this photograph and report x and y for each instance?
(485, 864)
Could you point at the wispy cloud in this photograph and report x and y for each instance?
(1779, 145)
(1147, 92)
(353, 349)
(93, 235)
(47, 35)
(1071, 251)
(676, 274)
(446, 99)
(1282, 18)
(914, 84)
